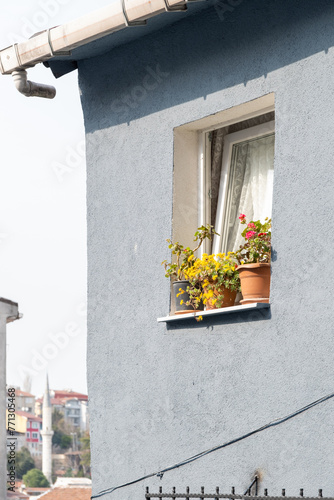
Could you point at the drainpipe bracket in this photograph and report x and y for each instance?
(56, 53)
(16, 48)
(175, 8)
(127, 21)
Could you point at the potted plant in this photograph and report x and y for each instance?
(214, 279)
(184, 259)
(254, 259)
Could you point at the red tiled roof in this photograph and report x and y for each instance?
(30, 416)
(68, 494)
(61, 400)
(57, 401)
(70, 394)
(24, 394)
(17, 495)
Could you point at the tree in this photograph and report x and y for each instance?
(58, 421)
(80, 472)
(65, 441)
(56, 438)
(85, 456)
(24, 462)
(68, 473)
(35, 479)
(60, 436)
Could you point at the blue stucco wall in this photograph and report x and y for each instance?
(159, 395)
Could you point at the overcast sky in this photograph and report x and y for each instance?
(42, 211)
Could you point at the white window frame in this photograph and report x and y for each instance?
(204, 162)
(204, 185)
(34, 435)
(250, 133)
(35, 425)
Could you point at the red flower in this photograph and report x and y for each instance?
(250, 234)
(242, 216)
(251, 224)
(262, 234)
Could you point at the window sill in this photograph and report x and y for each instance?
(214, 312)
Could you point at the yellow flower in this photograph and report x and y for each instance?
(191, 257)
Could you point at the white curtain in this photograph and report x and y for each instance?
(250, 186)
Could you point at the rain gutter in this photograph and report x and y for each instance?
(60, 40)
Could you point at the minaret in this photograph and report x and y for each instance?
(47, 434)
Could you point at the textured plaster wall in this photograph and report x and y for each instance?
(159, 394)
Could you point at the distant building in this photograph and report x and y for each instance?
(20, 439)
(73, 405)
(56, 403)
(24, 401)
(31, 426)
(70, 488)
(33, 493)
(17, 495)
(73, 482)
(72, 493)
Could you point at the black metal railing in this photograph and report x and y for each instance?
(231, 496)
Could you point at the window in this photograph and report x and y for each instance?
(35, 435)
(28, 435)
(223, 166)
(35, 425)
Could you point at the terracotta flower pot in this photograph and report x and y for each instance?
(255, 282)
(227, 294)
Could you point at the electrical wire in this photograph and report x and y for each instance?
(273, 423)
